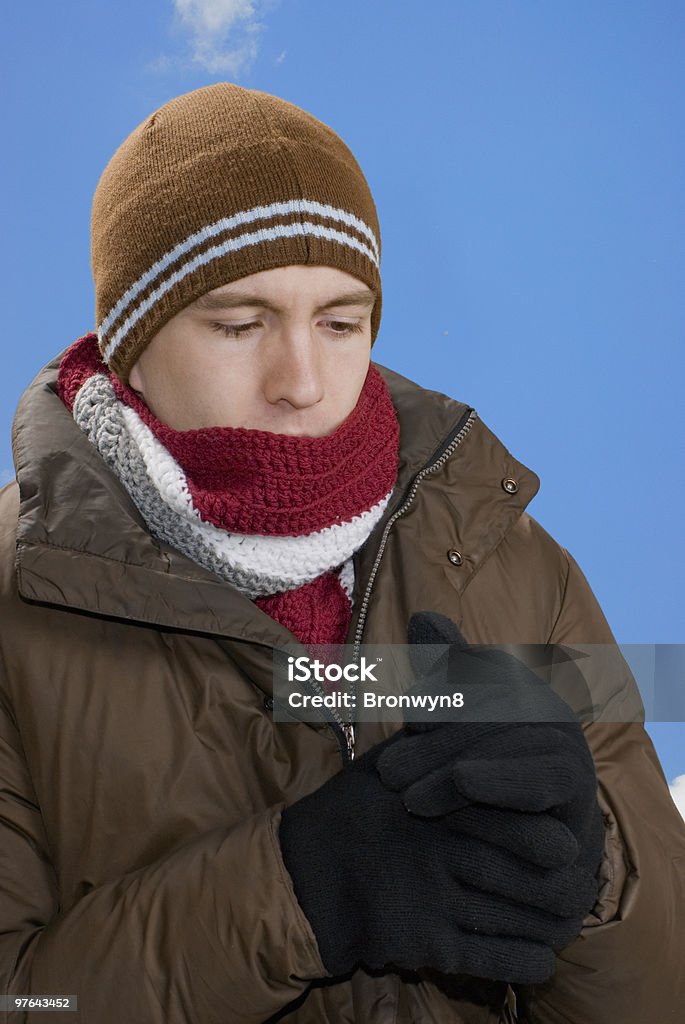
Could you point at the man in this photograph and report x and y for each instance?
(217, 473)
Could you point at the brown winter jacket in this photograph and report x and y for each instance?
(142, 776)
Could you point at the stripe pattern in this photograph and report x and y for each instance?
(192, 254)
(257, 565)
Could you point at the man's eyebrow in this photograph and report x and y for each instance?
(229, 300)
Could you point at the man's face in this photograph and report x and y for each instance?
(285, 350)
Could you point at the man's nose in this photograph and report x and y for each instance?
(294, 371)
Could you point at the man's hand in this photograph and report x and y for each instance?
(381, 886)
(522, 778)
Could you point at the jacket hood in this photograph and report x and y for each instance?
(82, 544)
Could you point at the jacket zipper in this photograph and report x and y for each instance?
(345, 732)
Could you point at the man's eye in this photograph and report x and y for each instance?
(340, 327)
(233, 330)
(347, 328)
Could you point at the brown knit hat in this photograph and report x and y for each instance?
(217, 184)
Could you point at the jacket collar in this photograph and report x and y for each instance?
(82, 544)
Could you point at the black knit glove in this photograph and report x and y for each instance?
(382, 886)
(528, 786)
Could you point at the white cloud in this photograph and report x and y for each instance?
(160, 64)
(678, 793)
(281, 57)
(223, 34)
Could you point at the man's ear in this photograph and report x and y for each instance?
(135, 380)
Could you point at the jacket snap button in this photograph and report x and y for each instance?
(455, 556)
(269, 703)
(510, 485)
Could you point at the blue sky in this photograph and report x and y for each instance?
(526, 160)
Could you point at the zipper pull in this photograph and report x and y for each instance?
(349, 736)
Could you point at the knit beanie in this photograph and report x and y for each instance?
(217, 184)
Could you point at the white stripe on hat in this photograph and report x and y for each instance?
(230, 245)
(226, 224)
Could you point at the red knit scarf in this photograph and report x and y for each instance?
(255, 482)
